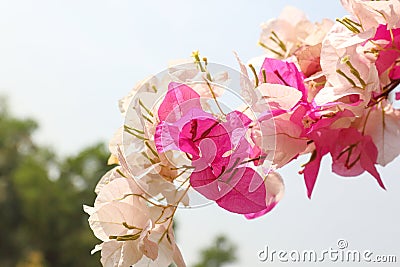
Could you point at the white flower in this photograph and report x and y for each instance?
(282, 36)
(372, 13)
(132, 228)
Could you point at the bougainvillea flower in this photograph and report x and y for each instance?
(284, 89)
(129, 228)
(352, 153)
(219, 151)
(236, 187)
(372, 13)
(281, 37)
(390, 52)
(276, 71)
(178, 101)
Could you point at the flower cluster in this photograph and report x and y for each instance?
(332, 87)
(192, 136)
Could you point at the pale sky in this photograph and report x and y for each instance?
(66, 64)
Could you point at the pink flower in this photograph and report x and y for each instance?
(390, 52)
(220, 153)
(308, 127)
(352, 153)
(276, 71)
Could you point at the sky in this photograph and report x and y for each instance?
(67, 63)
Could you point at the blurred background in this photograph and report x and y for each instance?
(63, 67)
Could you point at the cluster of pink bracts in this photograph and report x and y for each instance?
(320, 88)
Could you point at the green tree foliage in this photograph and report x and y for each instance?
(41, 197)
(220, 253)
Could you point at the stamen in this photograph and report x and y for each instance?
(126, 225)
(276, 72)
(134, 134)
(354, 71)
(147, 157)
(147, 118)
(151, 149)
(120, 173)
(270, 49)
(205, 61)
(349, 24)
(253, 70)
(264, 74)
(196, 56)
(145, 108)
(125, 237)
(346, 77)
(278, 41)
(134, 129)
